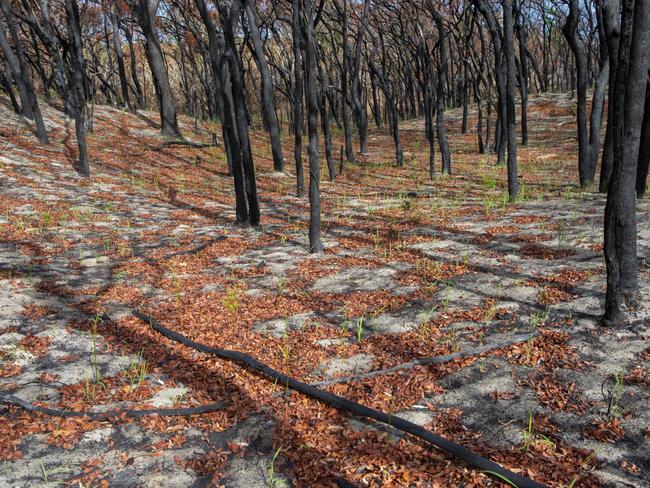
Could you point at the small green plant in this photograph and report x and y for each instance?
(125, 250)
(530, 436)
(452, 340)
(285, 349)
(489, 182)
(281, 285)
(273, 481)
(500, 476)
(447, 297)
(137, 372)
(540, 318)
(106, 243)
(89, 390)
(613, 407)
(231, 300)
(561, 236)
(97, 376)
(44, 474)
(359, 330)
(573, 483)
(482, 367)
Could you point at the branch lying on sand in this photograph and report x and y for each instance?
(163, 412)
(471, 458)
(182, 142)
(431, 360)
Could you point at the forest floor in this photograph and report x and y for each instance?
(452, 267)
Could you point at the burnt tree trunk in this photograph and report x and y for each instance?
(78, 91)
(620, 212)
(147, 18)
(612, 28)
(268, 114)
(586, 166)
(311, 89)
(298, 95)
(20, 70)
(510, 122)
(440, 95)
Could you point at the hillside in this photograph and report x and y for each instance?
(413, 269)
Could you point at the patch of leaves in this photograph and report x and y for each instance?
(609, 430)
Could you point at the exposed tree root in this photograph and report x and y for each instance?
(163, 412)
(471, 458)
(431, 360)
(182, 142)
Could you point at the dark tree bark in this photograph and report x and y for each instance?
(268, 114)
(620, 211)
(6, 81)
(429, 100)
(77, 90)
(298, 95)
(360, 112)
(20, 70)
(147, 14)
(343, 15)
(311, 88)
(229, 22)
(393, 116)
(440, 96)
(501, 75)
(510, 123)
(119, 54)
(225, 107)
(139, 95)
(612, 27)
(644, 150)
(523, 71)
(325, 125)
(586, 164)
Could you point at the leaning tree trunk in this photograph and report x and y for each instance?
(78, 91)
(226, 112)
(119, 54)
(360, 112)
(147, 19)
(139, 95)
(270, 120)
(18, 65)
(229, 21)
(620, 211)
(6, 81)
(440, 96)
(586, 169)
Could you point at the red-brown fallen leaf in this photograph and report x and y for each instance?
(236, 447)
(46, 377)
(37, 345)
(11, 369)
(630, 467)
(606, 431)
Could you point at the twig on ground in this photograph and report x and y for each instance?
(163, 412)
(431, 360)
